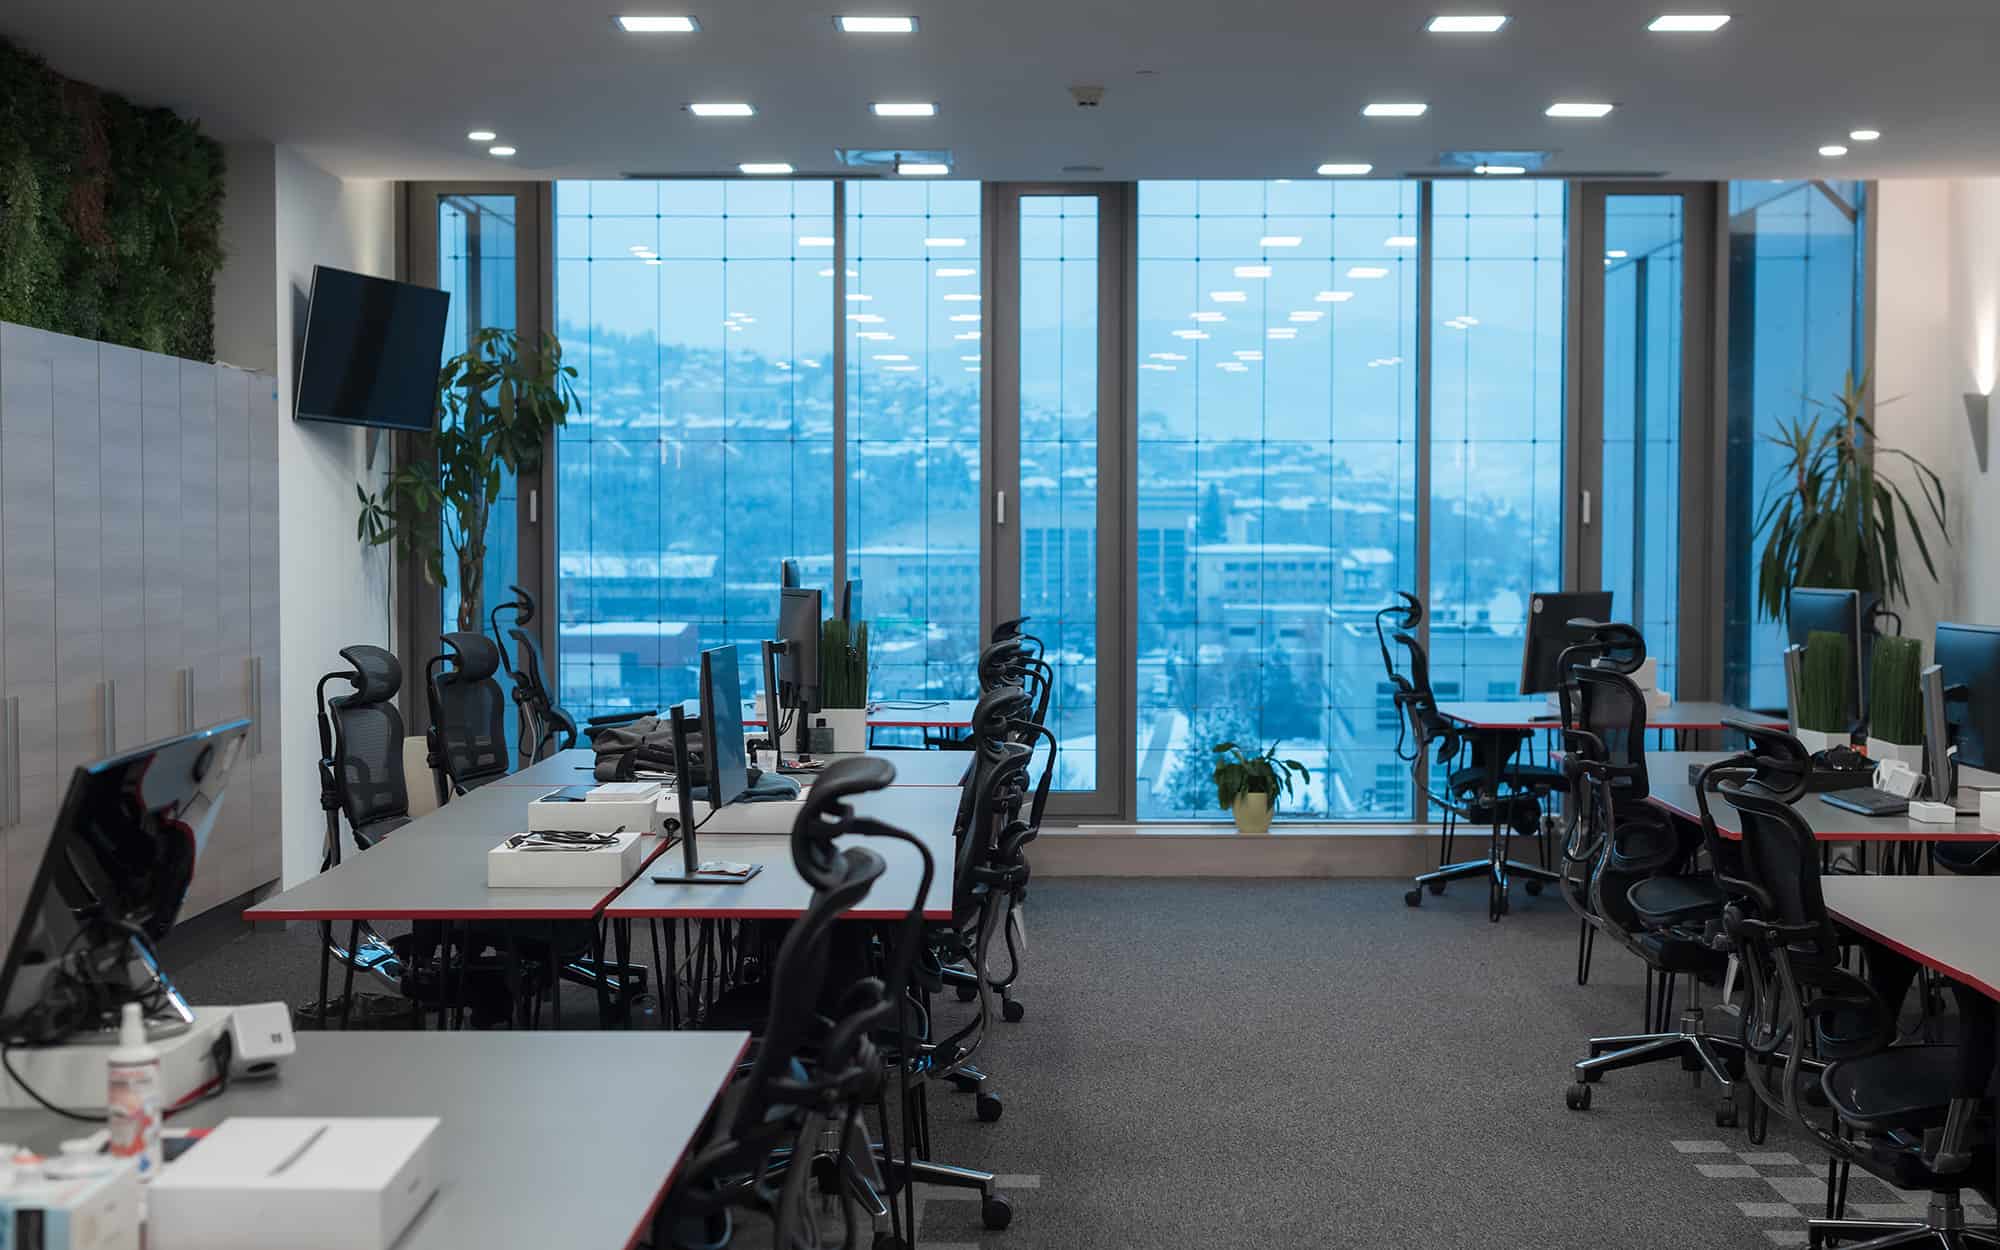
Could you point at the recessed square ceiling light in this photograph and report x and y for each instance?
(764, 168)
(1616, 253)
(1864, 136)
(1306, 315)
(906, 109)
(1333, 297)
(1689, 23)
(1280, 240)
(481, 136)
(922, 169)
(1253, 271)
(866, 319)
(502, 150)
(1400, 240)
(936, 241)
(728, 109)
(876, 25)
(1410, 109)
(1834, 149)
(816, 240)
(1466, 25)
(1367, 271)
(1500, 171)
(1572, 108)
(639, 24)
(1337, 169)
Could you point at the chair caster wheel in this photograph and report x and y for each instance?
(1011, 1011)
(989, 1108)
(996, 1212)
(1415, 898)
(966, 993)
(964, 1084)
(1726, 1115)
(1437, 887)
(1577, 1097)
(1534, 887)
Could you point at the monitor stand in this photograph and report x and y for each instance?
(691, 873)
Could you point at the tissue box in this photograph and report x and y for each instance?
(1989, 811)
(579, 809)
(608, 866)
(95, 1212)
(306, 1184)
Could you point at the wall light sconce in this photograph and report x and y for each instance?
(1976, 411)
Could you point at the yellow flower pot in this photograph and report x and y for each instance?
(1252, 811)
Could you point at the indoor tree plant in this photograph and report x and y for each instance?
(843, 683)
(1831, 518)
(1895, 703)
(1248, 786)
(496, 408)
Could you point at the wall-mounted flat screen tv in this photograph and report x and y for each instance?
(372, 351)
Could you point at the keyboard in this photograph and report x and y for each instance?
(1868, 801)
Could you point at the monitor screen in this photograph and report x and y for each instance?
(372, 352)
(1814, 609)
(723, 752)
(1970, 658)
(799, 614)
(1549, 633)
(123, 851)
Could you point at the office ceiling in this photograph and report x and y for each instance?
(1192, 88)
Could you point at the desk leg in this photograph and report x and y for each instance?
(621, 933)
(597, 960)
(347, 986)
(325, 955)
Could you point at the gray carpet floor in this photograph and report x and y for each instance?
(1210, 1063)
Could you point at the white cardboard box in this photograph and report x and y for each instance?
(306, 1184)
(640, 814)
(100, 1211)
(609, 866)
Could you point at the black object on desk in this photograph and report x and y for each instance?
(1868, 801)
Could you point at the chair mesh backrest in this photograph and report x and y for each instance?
(534, 688)
(1426, 722)
(469, 712)
(1779, 859)
(1611, 709)
(368, 741)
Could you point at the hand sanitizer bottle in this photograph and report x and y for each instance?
(133, 1101)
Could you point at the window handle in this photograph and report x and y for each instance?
(1586, 508)
(999, 507)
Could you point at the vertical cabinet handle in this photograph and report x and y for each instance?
(10, 755)
(107, 712)
(187, 700)
(256, 705)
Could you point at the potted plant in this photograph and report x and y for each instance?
(1830, 518)
(1249, 786)
(1895, 703)
(1825, 678)
(496, 409)
(843, 683)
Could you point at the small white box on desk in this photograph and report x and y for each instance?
(96, 1211)
(306, 1184)
(1989, 811)
(609, 866)
(575, 809)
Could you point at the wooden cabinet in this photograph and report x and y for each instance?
(138, 585)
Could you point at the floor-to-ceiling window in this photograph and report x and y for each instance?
(1796, 291)
(1496, 505)
(913, 318)
(699, 317)
(1276, 476)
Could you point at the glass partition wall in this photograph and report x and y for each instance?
(1199, 431)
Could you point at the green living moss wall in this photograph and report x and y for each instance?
(110, 214)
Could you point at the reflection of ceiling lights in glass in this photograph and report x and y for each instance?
(1333, 297)
(1229, 297)
(943, 241)
(1367, 271)
(1280, 240)
(1246, 354)
(876, 336)
(1190, 335)
(967, 336)
(891, 358)
(962, 297)
(1281, 332)
(1306, 314)
(1166, 356)
(956, 273)
(1206, 316)
(1157, 368)
(1400, 240)
(963, 317)
(815, 240)
(867, 319)
(971, 360)
(1337, 169)
(1253, 271)
(858, 297)
(899, 368)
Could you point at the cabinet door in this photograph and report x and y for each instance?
(160, 503)
(267, 852)
(28, 585)
(82, 726)
(122, 530)
(230, 844)
(200, 574)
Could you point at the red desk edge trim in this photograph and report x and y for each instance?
(673, 1173)
(1935, 965)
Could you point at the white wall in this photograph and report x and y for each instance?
(283, 216)
(1937, 337)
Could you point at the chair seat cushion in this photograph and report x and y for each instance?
(1663, 901)
(1903, 1087)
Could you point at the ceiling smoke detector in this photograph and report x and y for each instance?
(1087, 97)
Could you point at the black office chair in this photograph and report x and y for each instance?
(544, 727)
(361, 779)
(1617, 648)
(468, 731)
(1629, 872)
(1469, 790)
(1913, 1116)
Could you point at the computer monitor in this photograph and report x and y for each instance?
(1814, 608)
(1970, 658)
(692, 868)
(1938, 782)
(726, 769)
(1549, 633)
(798, 657)
(788, 574)
(850, 601)
(109, 884)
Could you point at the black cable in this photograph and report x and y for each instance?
(7, 1062)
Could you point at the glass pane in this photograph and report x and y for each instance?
(1059, 464)
(1640, 508)
(1497, 426)
(913, 386)
(1276, 484)
(476, 264)
(1794, 335)
(700, 320)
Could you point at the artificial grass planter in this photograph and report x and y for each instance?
(110, 214)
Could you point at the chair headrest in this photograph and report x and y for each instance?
(1781, 764)
(377, 674)
(474, 655)
(1010, 628)
(998, 706)
(826, 814)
